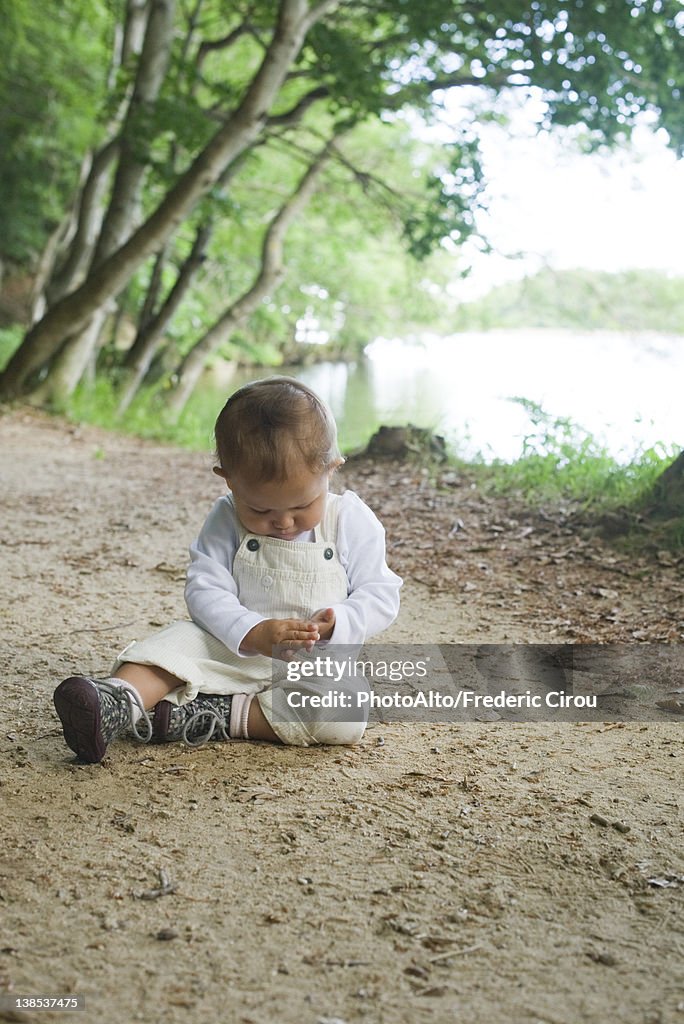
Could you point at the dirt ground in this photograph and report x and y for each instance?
(487, 872)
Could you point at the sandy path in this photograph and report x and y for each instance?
(434, 873)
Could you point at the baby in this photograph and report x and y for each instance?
(280, 565)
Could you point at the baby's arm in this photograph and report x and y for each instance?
(373, 601)
(211, 592)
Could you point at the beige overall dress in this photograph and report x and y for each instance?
(277, 579)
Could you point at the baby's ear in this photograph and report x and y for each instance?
(219, 472)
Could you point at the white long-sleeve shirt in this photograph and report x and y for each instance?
(372, 604)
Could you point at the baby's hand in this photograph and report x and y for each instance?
(285, 634)
(325, 620)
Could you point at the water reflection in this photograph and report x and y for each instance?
(624, 389)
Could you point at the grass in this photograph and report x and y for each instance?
(562, 460)
(146, 417)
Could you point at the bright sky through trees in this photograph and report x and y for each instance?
(556, 207)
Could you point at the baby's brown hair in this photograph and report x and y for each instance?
(269, 425)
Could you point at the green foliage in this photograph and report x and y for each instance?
(452, 197)
(596, 66)
(634, 300)
(52, 81)
(560, 459)
(147, 417)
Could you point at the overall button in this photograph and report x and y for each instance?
(328, 554)
(267, 581)
(252, 544)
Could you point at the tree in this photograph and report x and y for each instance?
(73, 312)
(149, 40)
(331, 280)
(596, 67)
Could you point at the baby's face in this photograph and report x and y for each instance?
(284, 509)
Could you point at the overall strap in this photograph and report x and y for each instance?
(241, 531)
(327, 529)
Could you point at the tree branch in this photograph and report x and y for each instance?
(140, 355)
(88, 221)
(270, 272)
(225, 42)
(132, 168)
(416, 91)
(294, 114)
(317, 12)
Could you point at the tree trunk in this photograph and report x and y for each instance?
(153, 293)
(72, 363)
(148, 340)
(105, 281)
(117, 224)
(88, 224)
(55, 246)
(151, 302)
(135, 136)
(134, 31)
(65, 264)
(270, 273)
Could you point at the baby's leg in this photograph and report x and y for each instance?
(258, 726)
(94, 712)
(212, 716)
(152, 683)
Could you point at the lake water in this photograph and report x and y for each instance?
(624, 389)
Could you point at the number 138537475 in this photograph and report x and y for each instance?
(9, 1001)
